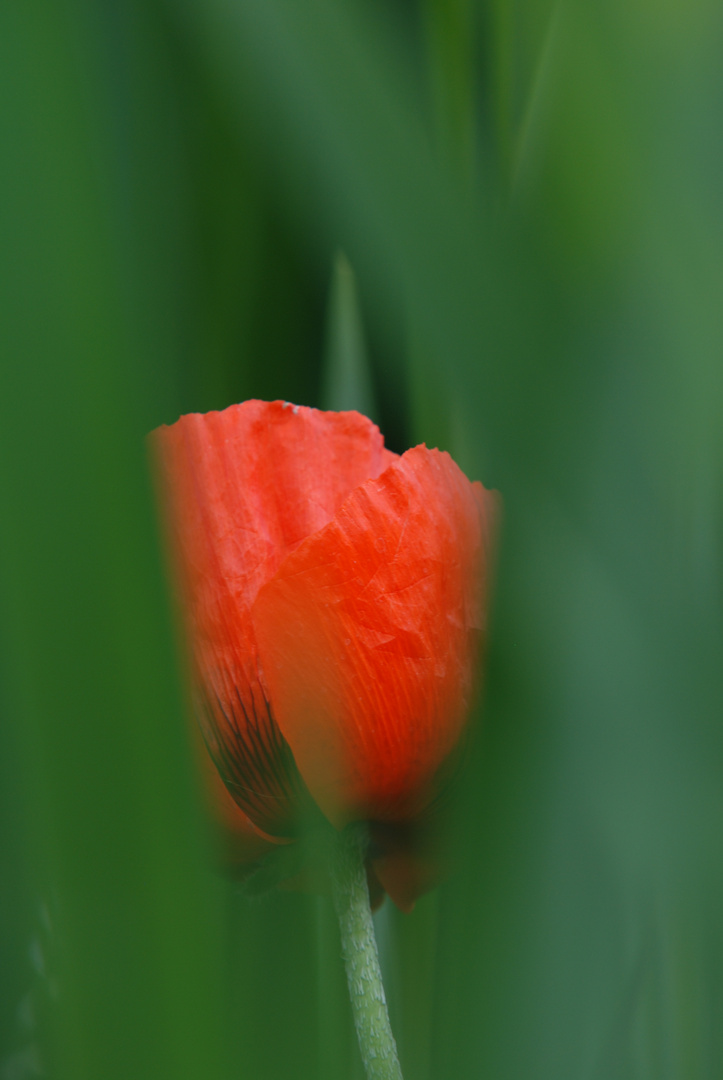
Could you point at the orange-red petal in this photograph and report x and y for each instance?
(242, 489)
(368, 635)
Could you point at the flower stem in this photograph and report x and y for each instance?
(359, 947)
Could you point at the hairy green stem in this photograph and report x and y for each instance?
(359, 946)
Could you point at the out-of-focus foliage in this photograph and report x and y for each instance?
(529, 192)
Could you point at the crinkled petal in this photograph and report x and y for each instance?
(368, 635)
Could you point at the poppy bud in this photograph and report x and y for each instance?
(333, 595)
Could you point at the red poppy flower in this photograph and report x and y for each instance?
(334, 600)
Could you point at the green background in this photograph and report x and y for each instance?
(530, 195)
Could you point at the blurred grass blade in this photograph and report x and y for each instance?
(530, 129)
(91, 686)
(450, 36)
(520, 43)
(347, 376)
